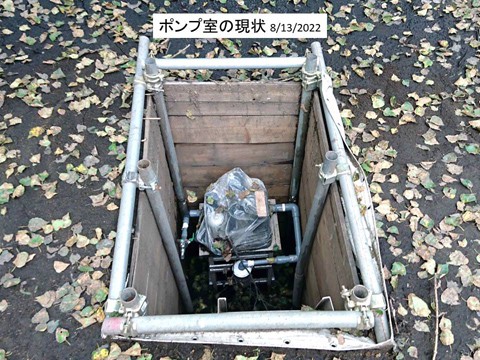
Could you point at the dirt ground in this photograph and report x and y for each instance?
(406, 76)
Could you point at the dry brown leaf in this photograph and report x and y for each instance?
(47, 299)
(60, 266)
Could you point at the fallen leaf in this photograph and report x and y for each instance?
(22, 259)
(450, 297)
(473, 303)
(418, 306)
(36, 131)
(3, 305)
(47, 299)
(45, 112)
(41, 317)
(60, 266)
(134, 350)
(61, 335)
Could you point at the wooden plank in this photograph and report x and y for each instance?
(234, 154)
(233, 129)
(152, 275)
(272, 91)
(205, 175)
(231, 108)
(331, 263)
(345, 252)
(276, 192)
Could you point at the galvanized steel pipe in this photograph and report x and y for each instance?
(129, 189)
(149, 178)
(230, 63)
(361, 238)
(316, 210)
(167, 136)
(302, 127)
(239, 321)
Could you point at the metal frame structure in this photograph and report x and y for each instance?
(366, 307)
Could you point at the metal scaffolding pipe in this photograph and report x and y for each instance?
(316, 210)
(303, 117)
(239, 321)
(149, 178)
(230, 63)
(167, 136)
(361, 238)
(129, 189)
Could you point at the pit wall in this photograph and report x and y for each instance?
(218, 126)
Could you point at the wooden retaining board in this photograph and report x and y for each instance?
(243, 92)
(150, 270)
(205, 175)
(233, 129)
(331, 263)
(234, 154)
(219, 126)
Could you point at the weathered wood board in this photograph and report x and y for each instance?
(150, 269)
(151, 275)
(234, 154)
(233, 129)
(331, 263)
(205, 175)
(250, 92)
(219, 126)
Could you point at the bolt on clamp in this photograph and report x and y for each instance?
(132, 177)
(154, 82)
(310, 80)
(359, 298)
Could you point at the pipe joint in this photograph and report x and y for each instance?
(359, 298)
(132, 302)
(328, 172)
(152, 76)
(133, 177)
(310, 74)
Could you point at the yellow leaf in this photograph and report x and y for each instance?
(36, 132)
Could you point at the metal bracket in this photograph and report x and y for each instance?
(359, 298)
(153, 82)
(128, 328)
(332, 177)
(132, 177)
(222, 305)
(310, 80)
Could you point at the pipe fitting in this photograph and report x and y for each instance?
(328, 169)
(358, 298)
(152, 76)
(132, 301)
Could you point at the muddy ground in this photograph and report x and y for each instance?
(398, 29)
